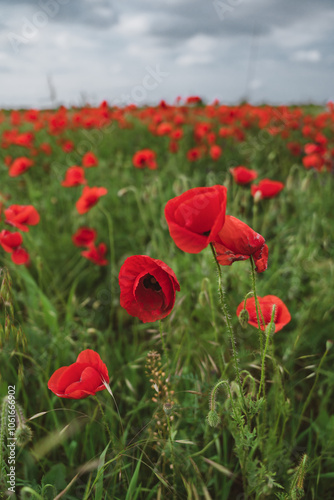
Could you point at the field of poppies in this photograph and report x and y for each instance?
(166, 302)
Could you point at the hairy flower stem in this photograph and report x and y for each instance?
(268, 333)
(256, 305)
(228, 324)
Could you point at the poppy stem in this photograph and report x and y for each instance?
(228, 323)
(257, 306)
(268, 334)
(163, 342)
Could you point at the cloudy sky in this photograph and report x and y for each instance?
(141, 51)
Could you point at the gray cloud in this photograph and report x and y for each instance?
(279, 51)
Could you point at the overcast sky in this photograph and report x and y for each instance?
(72, 51)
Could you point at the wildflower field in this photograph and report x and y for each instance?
(166, 302)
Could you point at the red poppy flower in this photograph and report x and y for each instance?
(89, 160)
(20, 256)
(267, 188)
(9, 240)
(281, 318)
(237, 241)
(96, 254)
(194, 154)
(215, 152)
(67, 146)
(21, 216)
(195, 217)
(145, 158)
(84, 237)
(11, 243)
(46, 148)
(89, 198)
(148, 288)
(83, 378)
(74, 177)
(243, 175)
(19, 166)
(313, 161)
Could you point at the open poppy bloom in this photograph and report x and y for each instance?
(11, 243)
(243, 175)
(195, 217)
(84, 237)
(281, 318)
(19, 166)
(215, 152)
(89, 160)
(237, 241)
(96, 254)
(267, 188)
(83, 378)
(74, 177)
(148, 288)
(145, 158)
(89, 198)
(21, 216)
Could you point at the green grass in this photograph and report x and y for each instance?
(65, 304)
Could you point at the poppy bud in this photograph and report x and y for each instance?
(243, 318)
(213, 418)
(329, 345)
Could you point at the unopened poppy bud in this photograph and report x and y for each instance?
(329, 345)
(270, 329)
(23, 435)
(257, 196)
(213, 418)
(243, 318)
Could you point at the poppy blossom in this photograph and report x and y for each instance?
(21, 216)
(237, 241)
(90, 196)
(11, 243)
(84, 237)
(74, 177)
(9, 240)
(195, 217)
(96, 254)
(267, 188)
(89, 160)
(145, 158)
(19, 166)
(83, 378)
(194, 154)
(215, 152)
(243, 175)
(20, 256)
(281, 317)
(148, 288)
